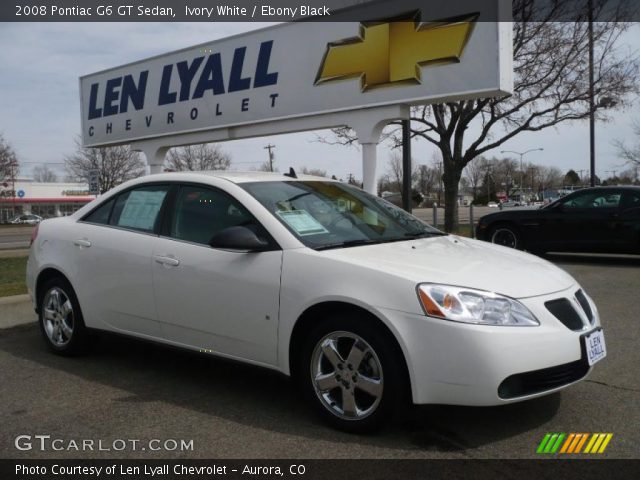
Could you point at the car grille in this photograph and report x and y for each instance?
(537, 381)
(566, 311)
(585, 305)
(563, 310)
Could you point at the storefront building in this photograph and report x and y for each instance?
(44, 199)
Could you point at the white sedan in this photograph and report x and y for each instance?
(363, 304)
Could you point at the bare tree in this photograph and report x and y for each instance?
(550, 87)
(505, 174)
(267, 166)
(114, 164)
(630, 153)
(475, 172)
(42, 173)
(314, 171)
(9, 166)
(427, 179)
(198, 157)
(549, 177)
(394, 172)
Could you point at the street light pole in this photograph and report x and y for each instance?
(592, 103)
(522, 154)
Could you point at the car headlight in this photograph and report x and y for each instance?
(467, 305)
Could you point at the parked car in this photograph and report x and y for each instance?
(600, 219)
(511, 203)
(27, 219)
(492, 205)
(364, 305)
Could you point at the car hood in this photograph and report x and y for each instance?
(454, 260)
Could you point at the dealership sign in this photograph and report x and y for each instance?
(297, 70)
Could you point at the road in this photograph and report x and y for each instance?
(133, 390)
(12, 237)
(426, 214)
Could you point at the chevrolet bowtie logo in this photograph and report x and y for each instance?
(393, 52)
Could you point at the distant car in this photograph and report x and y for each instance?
(492, 205)
(599, 220)
(511, 203)
(27, 220)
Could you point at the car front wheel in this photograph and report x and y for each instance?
(354, 377)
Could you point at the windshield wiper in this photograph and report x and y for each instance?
(424, 234)
(349, 243)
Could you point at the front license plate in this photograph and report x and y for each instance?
(596, 349)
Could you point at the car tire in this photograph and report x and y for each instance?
(356, 398)
(60, 318)
(506, 235)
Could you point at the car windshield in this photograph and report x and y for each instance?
(325, 215)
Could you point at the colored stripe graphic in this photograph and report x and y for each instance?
(550, 443)
(573, 443)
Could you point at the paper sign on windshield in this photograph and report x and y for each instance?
(302, 222)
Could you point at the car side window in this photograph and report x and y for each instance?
(139, 208)
(630, 200)
(101, 214)
(593, 200)
(202, 212)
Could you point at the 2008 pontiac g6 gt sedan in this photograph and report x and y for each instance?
(364, 305)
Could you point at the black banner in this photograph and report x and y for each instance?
(318, 469)
(311, 10)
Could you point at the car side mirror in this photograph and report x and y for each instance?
(238, 238)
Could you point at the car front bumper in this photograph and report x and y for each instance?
(464, 364)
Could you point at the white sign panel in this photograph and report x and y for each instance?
(297, 70)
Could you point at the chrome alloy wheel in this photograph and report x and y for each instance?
(504, 237)
(347, 375)
(58, 317)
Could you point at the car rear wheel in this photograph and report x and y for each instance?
(60, 318)
(506, 236)
(353, 376)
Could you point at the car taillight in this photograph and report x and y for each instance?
(34, 234)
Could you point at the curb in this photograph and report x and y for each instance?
(16, 310)
(13, 299)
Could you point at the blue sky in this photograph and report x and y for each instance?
(40, 113)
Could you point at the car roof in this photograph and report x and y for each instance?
(609, 187)
(235, 177)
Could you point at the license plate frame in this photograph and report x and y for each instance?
(595, 348)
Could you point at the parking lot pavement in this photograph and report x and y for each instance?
(131, 390)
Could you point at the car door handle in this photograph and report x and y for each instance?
(82, 242)
(169, 261)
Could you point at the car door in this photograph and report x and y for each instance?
(583, 221)
(113, 248)
(628, 221)
(220, 301)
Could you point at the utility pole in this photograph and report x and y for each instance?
(592, 102)
(270, 147)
